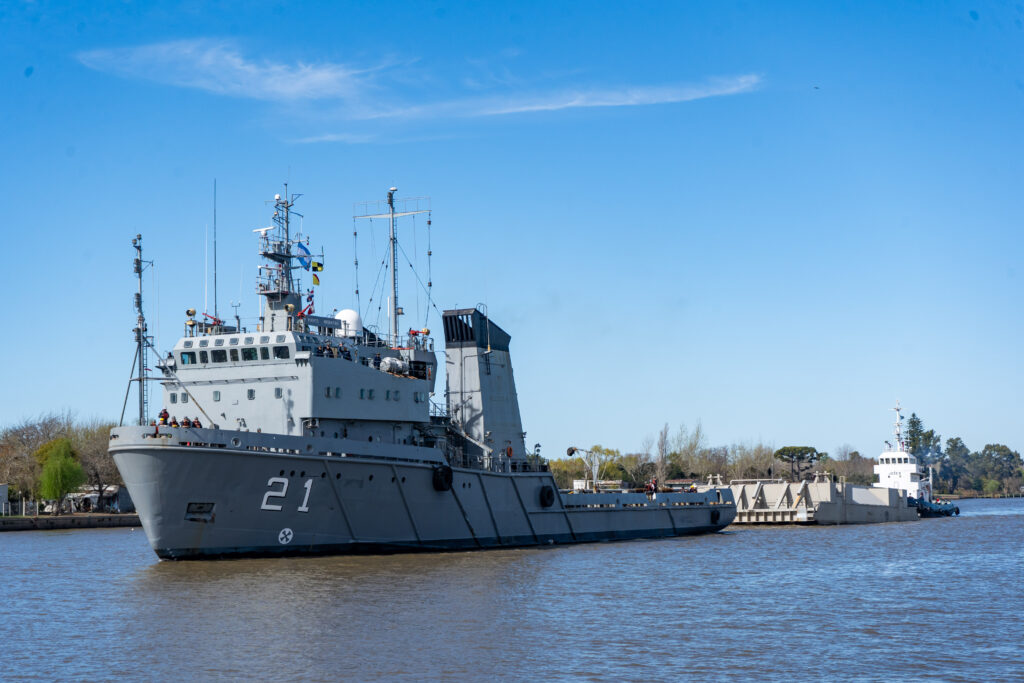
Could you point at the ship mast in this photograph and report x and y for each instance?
(394, 310)
(141, 333)
(275, 280)
(898, 428)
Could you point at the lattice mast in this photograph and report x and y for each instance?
(276, 282)
(142, 339)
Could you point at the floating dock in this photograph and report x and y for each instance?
(822, 501)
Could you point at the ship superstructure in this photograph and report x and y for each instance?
(319, 436)
(897, 468)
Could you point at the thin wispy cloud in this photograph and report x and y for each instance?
(339, 92)
(524, 103)
(219, 67)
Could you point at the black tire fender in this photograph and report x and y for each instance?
(443, 478)
(547, 496)
(715, 516)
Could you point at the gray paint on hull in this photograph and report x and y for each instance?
(360, 505)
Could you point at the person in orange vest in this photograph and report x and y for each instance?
(174, 421)
(163, 416)
(185, 422)
(195, 423)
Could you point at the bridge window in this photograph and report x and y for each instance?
(281, 352)
(216, 396)
(219, 356)
(218, 342)
(234, 354)
(188, 344)
(204, 357)
(264, 353)
(248, 340)
(280, 338)
(249, 353)
(188, 357)
(203, 343)
(174, 397)
(265, 339)
(234, 341)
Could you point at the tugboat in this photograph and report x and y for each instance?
(320, 436)
(898, 469)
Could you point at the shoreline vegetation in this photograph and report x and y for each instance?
(50, 456)
(44, 459)
(994, 471)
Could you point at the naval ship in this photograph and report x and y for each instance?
(318, 435)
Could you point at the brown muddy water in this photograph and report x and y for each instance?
(936, 599)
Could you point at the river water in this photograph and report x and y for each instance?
(936, 599)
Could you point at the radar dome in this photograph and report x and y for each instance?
(351, 323)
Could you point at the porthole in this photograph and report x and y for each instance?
(403, 480)
(302, 473)
(281, 473)
(371, 477)
(323, 474)
(235, 441)
(392, 480)
(292, 474)
(338, 475)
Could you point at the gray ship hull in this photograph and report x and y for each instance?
(212, 493)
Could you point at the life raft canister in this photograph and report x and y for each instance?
(547, 496)
(443, 477)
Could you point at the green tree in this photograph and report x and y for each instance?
(61, 473)
(799, 458)
(953, 466)
(91, 442)
(926, 446)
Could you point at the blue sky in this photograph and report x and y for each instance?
(773, 218)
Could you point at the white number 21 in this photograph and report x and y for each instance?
(280, 493)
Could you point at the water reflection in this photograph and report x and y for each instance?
(931, 598)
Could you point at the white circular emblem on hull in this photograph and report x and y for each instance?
(285, 537)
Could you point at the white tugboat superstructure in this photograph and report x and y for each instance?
(897, 468)
(319, 436)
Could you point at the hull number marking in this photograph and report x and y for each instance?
(281, 492)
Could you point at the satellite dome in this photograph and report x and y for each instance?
(351, 323)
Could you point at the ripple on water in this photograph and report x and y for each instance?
(930, 599)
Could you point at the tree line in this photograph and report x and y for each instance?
(995, 469)
(47, 457)
(685, 454)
